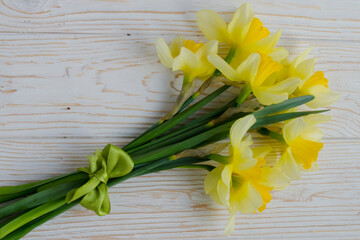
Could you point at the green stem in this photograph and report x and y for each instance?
(219, 158)
(180, 146)
(29, 187)
(245, 92)
(201, 166)
(277, 136)
(175, 120)
(22, 231)
(227, 59)
(178, 163)
(36, 199)
(178, 133)
(174, 139)
(159, 165)
(76, 177)
(30, 216)
(9, 197)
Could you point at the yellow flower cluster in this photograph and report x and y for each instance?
(244, 179)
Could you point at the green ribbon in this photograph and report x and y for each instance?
(111, 162)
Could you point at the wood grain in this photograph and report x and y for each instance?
(75, 75)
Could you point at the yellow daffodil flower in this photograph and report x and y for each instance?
(245, 32)
(256, 71)
(312, 83)
(303, 140)
(244, 182)
(187, 56)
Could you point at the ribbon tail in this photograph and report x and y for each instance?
(97, 200)
(83, 190)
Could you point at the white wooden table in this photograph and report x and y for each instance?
(77, 74)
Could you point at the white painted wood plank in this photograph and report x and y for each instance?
(309, 19)
(172, 204)
(75, 75)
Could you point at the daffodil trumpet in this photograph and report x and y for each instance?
(266, 89)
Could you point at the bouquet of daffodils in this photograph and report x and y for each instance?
(270, 88)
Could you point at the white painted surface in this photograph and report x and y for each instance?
(75, 75)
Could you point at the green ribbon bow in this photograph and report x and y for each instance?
(111, 162)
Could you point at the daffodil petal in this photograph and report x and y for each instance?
(305, 69)
(266, 97)
(212, 25)
(176, 46)
(248, 69)
(226, 175)
(164, 53)
(279, 54)
(261, 151)
(288, 85)
(211, 47)
(240, 23)
(212, 179)
(187, 61)
(239, 129)
(266, 69)
(289, 166)
(230, 226)
(300, 58)
(266, 45)
(205, 69)
(243, 155)
(215, 196)
(293, 129)
(324, 97)
(312, 133)
(274, 178)
(224, 193)
(223, 67)
(249, 199)
(315, 119)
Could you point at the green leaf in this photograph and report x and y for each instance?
(285, 105)
(201, 166)
(282, 117)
